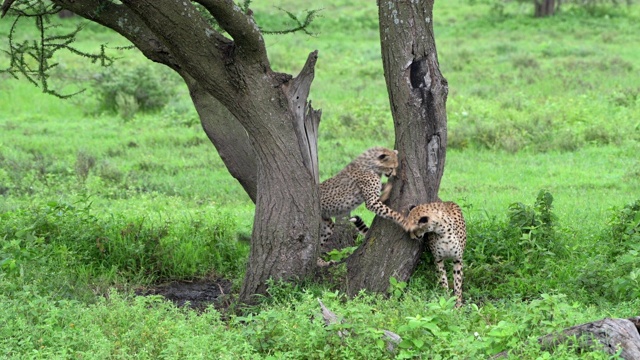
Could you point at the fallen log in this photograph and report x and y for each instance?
(611, 335)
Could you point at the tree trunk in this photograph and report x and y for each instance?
(544, 8)
(417, 94)
(284, 243)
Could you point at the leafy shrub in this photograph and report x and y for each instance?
(183, 248)
(625, 225)
(125, 90)
(612, 270)
(84, 163)
(515, 255)
(536, 223)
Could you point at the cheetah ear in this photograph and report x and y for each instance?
(423, 220)
(382, 157)
(411, 207)
(395, 151)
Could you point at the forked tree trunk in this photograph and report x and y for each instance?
(417, 94)
(259, 120)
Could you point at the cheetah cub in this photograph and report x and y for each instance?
(446, 236)
(358, 182)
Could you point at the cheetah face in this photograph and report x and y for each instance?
(420, 221)
(423, 225)
(386, 162)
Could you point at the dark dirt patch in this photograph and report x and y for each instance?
(197, 294)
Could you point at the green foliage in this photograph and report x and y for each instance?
(70, 235)
(612, 270)
(396, 288)
(340, 254)
(129, 89)
(625, 225)
(35, 59)
(536, 223)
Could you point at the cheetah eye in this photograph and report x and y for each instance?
(382, 157)
(423, 220)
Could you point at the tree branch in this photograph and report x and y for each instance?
(228, 136)
(197, 47)
(240, 26)
(6, 4)
(125, 22)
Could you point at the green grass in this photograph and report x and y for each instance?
(98, 199)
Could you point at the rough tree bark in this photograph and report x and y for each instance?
(417, 94)
(258, 119)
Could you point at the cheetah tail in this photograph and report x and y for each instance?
(360, 225)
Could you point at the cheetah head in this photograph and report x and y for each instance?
(382, 160)
(420, 221)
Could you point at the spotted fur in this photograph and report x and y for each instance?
(446, 236)
(363, 229)
(359, 182)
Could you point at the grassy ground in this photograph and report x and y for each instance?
(98, 198)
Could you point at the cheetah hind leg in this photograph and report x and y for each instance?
(327, 230)
(443, 274)
(360, 225)
(457, 281)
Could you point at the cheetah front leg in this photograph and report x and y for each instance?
(385, 192)
(372, 197)
(457, 279)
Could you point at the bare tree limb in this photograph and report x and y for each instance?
(240, 26)
(126, 23)
(612, 335)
